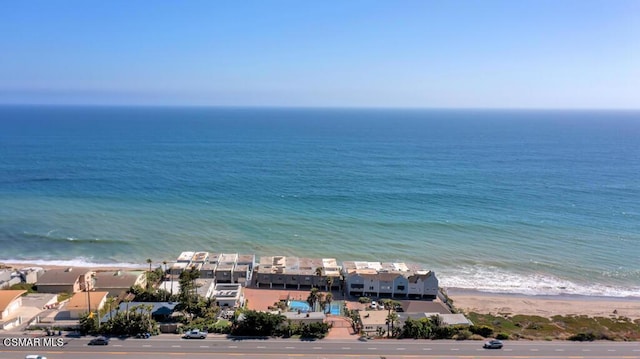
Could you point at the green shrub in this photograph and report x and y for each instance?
(364, 300)
(583, 337)
(482, 330)
(464, 335)
(502, 336)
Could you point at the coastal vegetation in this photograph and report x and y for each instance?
(569, 327)
(134, 320)
(253, 323)
(29, 287)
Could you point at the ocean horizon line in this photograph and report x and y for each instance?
(305, 107)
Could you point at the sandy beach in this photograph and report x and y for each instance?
(545, 306)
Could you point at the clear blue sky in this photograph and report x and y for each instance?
(488, 54)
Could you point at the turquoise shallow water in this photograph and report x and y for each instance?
(538, 202)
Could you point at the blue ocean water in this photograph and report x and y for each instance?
(538, 202)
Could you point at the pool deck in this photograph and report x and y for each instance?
(262, 299)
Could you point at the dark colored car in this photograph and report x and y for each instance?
(143, 335)
(493, 344)
(99, 341)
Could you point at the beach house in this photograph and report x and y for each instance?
(10, 301)
(117, 282)
(10, 304)
(83, 302)
(229, 295)
(70, 280)
(373, 321)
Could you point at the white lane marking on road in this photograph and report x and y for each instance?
(534, 350)
(204, 346)
(455, 349)
(146, 346)
(117, 345)
(559, 350)
(289, 347)
(508, 350)
(175, 346)
(426, 348)
(636, 350)
(317, 347)
(261, 347)
(611, 350)
(401, 348)
(372, 348)
(233, 346)
(346, 348)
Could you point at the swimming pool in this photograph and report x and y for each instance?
(300, 305)
(335, 308)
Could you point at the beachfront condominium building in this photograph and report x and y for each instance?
(296, 272)
(396, 280)
(222, 267)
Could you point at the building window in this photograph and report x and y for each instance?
(400, 287)
(357, 286)
(370, 287)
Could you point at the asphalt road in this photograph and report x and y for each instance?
(174, 347)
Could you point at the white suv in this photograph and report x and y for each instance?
(35, 357)
(195, 334)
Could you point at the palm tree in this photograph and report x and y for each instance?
(392, 318)
(313, 297)
(390, 304)
(149, 261)
(329, 283)
(110, 302)
(321, 302)
(319, 273)
(164, 277)
(328, 299)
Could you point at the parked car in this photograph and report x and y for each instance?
(33, 356)
(493, 344)
(374, 305)
(195, 334)
(143, 335)
(99, 341)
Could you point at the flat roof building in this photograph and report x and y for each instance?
(185, 257)
(297, 272)
(229, 295)
(393, 279)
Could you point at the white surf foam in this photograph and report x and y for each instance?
(496, 280)
(77, 262)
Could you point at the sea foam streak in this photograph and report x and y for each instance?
(495, 280)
